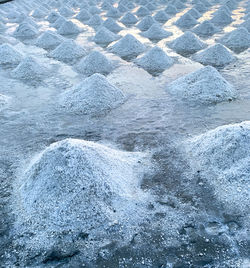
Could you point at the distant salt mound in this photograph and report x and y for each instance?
(142, 11)
(114, 13)
(68, 52)
(95, 20)
(216, 55)
(25, 30)
(222, 157)
(29, 69)
(49, 40)
(200, 7)
(94, 10)
(95, 62)
(38, 13)
(128, 47)
(206, 28)
(155, 61)
(178, 4)
(83, 15)
(9, 55)
(187, 44)
(53, 16)
(58, 23)
(105, 36)
(155, 32)
(186, 21)
(205, 85)
(66, 12)
(151, 6)
(221, 18)
(171, 9)
(194, 13)
(161, 16)
(94, 96)
(68, 28)
(237, 40)
(77, 188)
(4, 102)
(112, 25)
(129, 19)
(145, 23)
(106, 5)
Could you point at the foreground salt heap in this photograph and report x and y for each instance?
(205, 85)
(216, 55)
(222, 156)
(9, 55)
(94, 96)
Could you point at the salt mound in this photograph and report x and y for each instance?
(206, 28)
(49, 40)
(25, 30)
(38, 13)
(68, 28)
(161, 16)
(142, 11)
(66, 12)
(151, 6)
(94, 10)
(145, 23)
(155, 61)
(114, 13)
(222, 157)
(105, 36)
(170, 9)
(188, 43)
(94, 96)
(83, 15)
(58, 23)
(221, 18)
(122, 8)
(4, 101)
(68, 51)
(200, 7)
(216, 55)
(28, 69)
(95, 62)
(9, 55)
(155, 32)
(237, 40)
(128, 47)
(53, 16)
(129, 19)
(194, 13)
(106, 5)
(95, 20)
(205, 85)
(76, 188)
(112, 25)
(186, 21)
(178, 4)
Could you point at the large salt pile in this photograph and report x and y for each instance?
(49, 40)
(29, 69)
(161, 16)
(129, 19)
(155, 32)
(222, 156)
(25, 30)
(221, 18)
(68, 51)
(237, 40)
(9, 55)
(95, 62)
(186, 21)
(206, 28)
(83, 15)
(112, 25)
(128, 47)
(186, 44)
(94, 96)
(105, 36)
(145, 23)
(216, 55)
(155, 61)
(205, 85)
(68, 28)
(78, 190)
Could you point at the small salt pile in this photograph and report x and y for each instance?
(25, 30)
(95, 20)
(129, 19)
(200, 7)
(105, 36)
(205, 85)
(95, 62)
(94, 96)
(194, 13)
(53, 16)
(128, 47)
(151, 6)
(58, 23)
(29, 69)
(106, 5)
(83, 15)
(122, 8)
(216, 55)
(237, 40)
(68, 52)
(49, 40)
(66, 12)
(186, 44)
(161, 16)
(155, 32)
(112, 25)
(38, 13)
(155, 61)
(9, 55)
(206, 28)
(186, 21)
(221, 18)
(222, 157)
(145, 23)
(68, 28)
(114, 13)
(170, 9)
(142, 11)
(94, 10)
